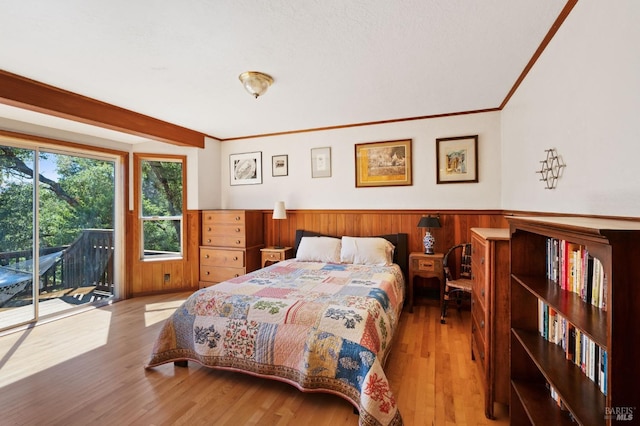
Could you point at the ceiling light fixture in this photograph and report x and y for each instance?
(256, 83)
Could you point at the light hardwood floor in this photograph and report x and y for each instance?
(88, 369)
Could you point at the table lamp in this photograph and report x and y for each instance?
(428, 222)
(279, 213)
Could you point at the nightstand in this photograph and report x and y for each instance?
(272, 255)
(425, 266)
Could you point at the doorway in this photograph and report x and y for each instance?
(58, 227)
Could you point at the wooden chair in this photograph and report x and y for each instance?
(456, 284)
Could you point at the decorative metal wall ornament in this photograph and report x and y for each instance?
(551, 168)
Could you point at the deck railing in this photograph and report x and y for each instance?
(88, 261)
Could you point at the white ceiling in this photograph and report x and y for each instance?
(335, 62)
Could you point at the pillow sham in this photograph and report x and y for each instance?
(319, 249)
(366, 251)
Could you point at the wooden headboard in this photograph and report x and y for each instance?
(400, 241)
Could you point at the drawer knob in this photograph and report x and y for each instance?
(235, 258)
(207, 273)
(237, 229)
(206, 256)
(237, 241)
(236, 275)
(209, 229)
(209, 240)
(481, 324)
(482, 292)
(482, 261)
(237, 217)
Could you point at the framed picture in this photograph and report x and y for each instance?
(280, 165)
(321, 162)
(246, 168)
(383, 163)
(457, 159)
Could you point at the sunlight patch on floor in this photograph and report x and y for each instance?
(90, 335)
(157, 312)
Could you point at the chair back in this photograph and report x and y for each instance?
(465, 262)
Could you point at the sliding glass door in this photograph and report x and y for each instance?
(17, 234)
(58, 244)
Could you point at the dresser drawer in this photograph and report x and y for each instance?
(223, 217)
(220, 257)
(479, 269)
(480, 289)
(478, 314)
(225, 241)
(218, 274)
(217, 235)
(426, 265)
(271, 256)
(478, 345)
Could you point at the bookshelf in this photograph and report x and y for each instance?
(549, 385)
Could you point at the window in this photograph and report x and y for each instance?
(161, 206)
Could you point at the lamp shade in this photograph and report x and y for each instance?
(429, 222)
(279, 212)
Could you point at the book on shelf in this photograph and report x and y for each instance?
(577, 346)
(573, 269)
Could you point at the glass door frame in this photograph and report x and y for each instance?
(120, 160)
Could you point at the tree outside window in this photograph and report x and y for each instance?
(162, 203)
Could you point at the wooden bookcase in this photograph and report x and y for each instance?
(536, 363)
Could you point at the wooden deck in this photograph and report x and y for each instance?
(88, 369)
(17, 310)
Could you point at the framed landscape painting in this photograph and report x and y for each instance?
(457, 159)
(383, 163)
(246, 168)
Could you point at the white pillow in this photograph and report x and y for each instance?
(366, 251)
(319, 249)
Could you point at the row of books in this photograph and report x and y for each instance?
(571, 267)
(577, 346)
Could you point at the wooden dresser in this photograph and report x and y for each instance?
(231, 243)
(490, 312)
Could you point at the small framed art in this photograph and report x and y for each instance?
(383, 163)
(457, 159)
(321, 162)
(246, 168)
(280, 165)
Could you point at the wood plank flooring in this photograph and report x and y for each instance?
(88, 369)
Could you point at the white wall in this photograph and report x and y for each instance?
(582, 97)
(300, 191)
(209, 175)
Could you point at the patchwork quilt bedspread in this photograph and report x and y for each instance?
(321, 327)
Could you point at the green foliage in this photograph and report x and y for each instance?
(78, 193)
(16, 216)
(162, 197)
(75, 193)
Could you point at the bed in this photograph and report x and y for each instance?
(323, 321)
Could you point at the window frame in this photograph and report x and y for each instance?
(139, 158)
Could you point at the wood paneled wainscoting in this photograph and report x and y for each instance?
(149, 277)
(456, 224)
